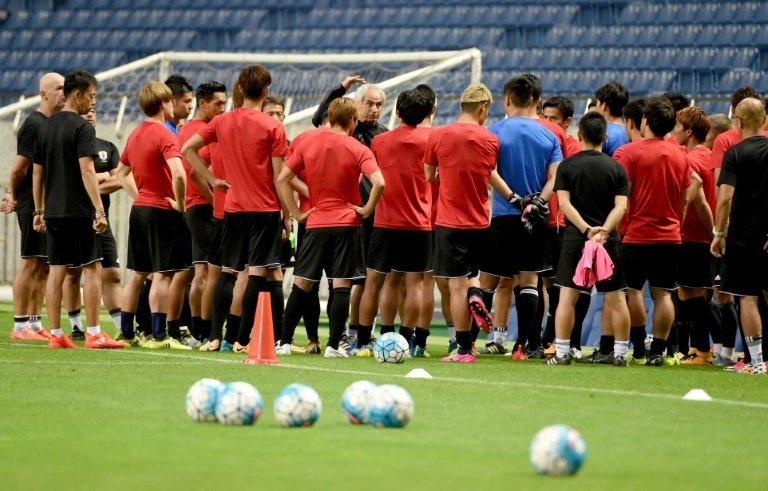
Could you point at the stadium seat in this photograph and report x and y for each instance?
(739, 78)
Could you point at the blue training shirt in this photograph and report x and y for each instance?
(617, 137)
(526, 150)
(169, 124)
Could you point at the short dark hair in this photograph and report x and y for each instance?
(562, 104)
(593, 128)
(633, 111)
(274, 100)
(253, 80)
(78, 80)
(179, 85)
(614, 95)
(206, 90)
(743, 93)
(535, 85)
(659, 115)
(678, 100)
(519, 90)
(428, 93)
(412, 107)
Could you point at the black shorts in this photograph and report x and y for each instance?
(336, 250)
(158, 241)
(510, 249)
(555, 239)
(745, 270)
(286, 254)
(694, 266)
(654, 263)
(214, 255)
(458, 251)
(33, 243)
(403, 251)
(251, 238)
(72, 242)
(570, 255)
(365, 237)
(717, 266)
(199, 220)
(431, 261)
(108, 249)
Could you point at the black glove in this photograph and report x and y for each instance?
(515, 199)
(535, 212)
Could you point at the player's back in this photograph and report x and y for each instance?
(693, 229)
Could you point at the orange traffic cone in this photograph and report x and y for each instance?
(261, 350)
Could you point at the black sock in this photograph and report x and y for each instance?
(488, 299)
(158, 325)
(534, 336)
(606, 345)
(730, 322)
(672, 343)
(747, 355)
(194, 327)
(20, 318)
(637, 337)
(174, 330)
(363, 335)
(338, 317)
(548, 337)
(126, 324)
(143, 313)
(658, 346)
(385, 329)
(256, 284)
(277, 298)
(474, 331)
(582, 308)
(233, 328)
(205, 329)
(526, 315)
(473, 291)
(330, 299)
(407, 333)
(222, 302)
(293, 310)
(421, 337)
(464, 340)
(701, 317)
(716, 326)
(312, 313)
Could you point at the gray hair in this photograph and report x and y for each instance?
(363, 89)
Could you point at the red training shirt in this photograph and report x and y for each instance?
(187, 131)
(333, 163)
(146, 152)
(464, 154)
(303, 201)
(693, 229)
(557, 219)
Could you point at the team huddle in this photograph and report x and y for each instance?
(652, 191)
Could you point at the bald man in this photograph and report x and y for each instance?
(741, 228)
(33, 269)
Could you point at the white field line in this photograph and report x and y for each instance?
(498, 383)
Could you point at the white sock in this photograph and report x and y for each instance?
(74, 319)
(500, 335)
(718, 348)
(35, 322)
(755, 345)
(116, 320)
(726, 352)
(18, 325)
(562, 346)
(620, 348)
(57, 332)
(451, 333)
(93, 331)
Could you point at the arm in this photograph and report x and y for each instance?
(614, 218)
(18, 173)
(430, 173)
(332, 95)
(179, 181)
(377, 180)
(202, 186)
(300, 186)
(283, 185)
(703, 210)
(125, 177)
(191, 152)
(277, 169)
(724, 199)
(38, 193)
(91, 183)
(110, 184)
(500, 186)
(549, 187)
(689, 194)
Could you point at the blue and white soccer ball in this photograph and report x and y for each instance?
(354, 402)
(201, 399)
(391, 348)
(557, 450)
(297, 405)
(239, 404)
(391, 406)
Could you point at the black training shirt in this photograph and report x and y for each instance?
(107, 158)
(25, 146)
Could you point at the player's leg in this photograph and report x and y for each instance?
(176, 296)
(389, 300)
(663, 316)
(615, 304)
(343, 263)
(158, 304)
(95, 338)
(26, 286)
(196, 290)
(445, 309)
(53, 298)
(426, 310)
(409, 314)
(129, 301)
(110, 276)
(753, 331)
(564, 319)
(72, 302)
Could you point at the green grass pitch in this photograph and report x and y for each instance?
(115, 420)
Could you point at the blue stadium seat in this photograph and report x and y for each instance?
(739, 78)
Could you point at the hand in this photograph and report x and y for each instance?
(220, 185)
(8, 204)
(38, 223)
(352, 80)
(287, 227)
(302, 217)
(598, 234)
(176, 205)
(526, 200)
(363, 211)
(100, 224)
(534, 213)
(717, 248)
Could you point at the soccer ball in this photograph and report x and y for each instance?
(239, 404)
(298, 405)
(354, 402)
(391, 406)
(557, 450)
(201, 399)
(391, 348)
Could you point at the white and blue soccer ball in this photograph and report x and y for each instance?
(297, 405)
(239, 404)
(391, 348)
(557, 450)
(390, 406)
(354, 402)
(201, 399)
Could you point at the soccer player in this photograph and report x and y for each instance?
(518, 245)
(181, 88)
(694, 274)
(401, 242)
(678, 100)
(333, 164)
(67, 204)
(742, 222)
(156, 234)
(253, 147)
(275, 108)
(211, 98)
(592, 191)
(658, 176)
(559, 110)
(33, 269)
(611, 99)
(462, 157)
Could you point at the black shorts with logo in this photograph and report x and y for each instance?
(72, 242)
(251, 238)
(570, 255)
(199, 220)
(654, 263)
(511, 249)
(459, 252)
(158, 241)
(745, 270)
(336, 250)
(403, 251)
